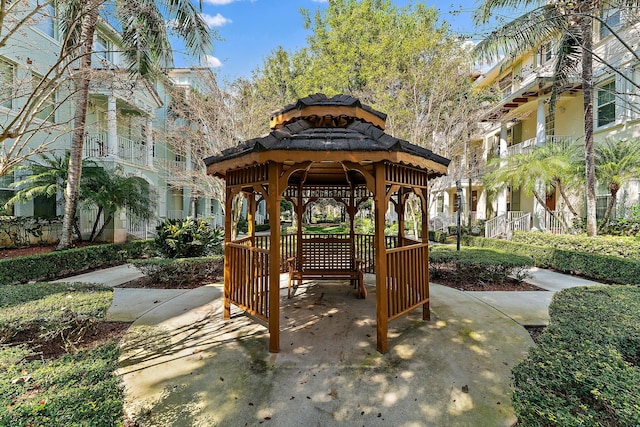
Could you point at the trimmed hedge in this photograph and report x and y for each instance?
(181, 270)
(484, 265)
(437, 236)
(585, 370)
(58, 264)
(624, 247)
(594, 266)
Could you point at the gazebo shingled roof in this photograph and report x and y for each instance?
(297, 128)
(334, 148)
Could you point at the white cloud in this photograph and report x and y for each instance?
(211, 62)
(218, 2)
(215, 21)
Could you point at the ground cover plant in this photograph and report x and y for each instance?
(585, 369)
(179, 273)
(48, 376)
(477, 268)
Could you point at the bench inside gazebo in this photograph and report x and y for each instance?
(326, 148)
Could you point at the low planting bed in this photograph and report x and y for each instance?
(178, 273)
(478, 269)
(58, 356)
(585, 369)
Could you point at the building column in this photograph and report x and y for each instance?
(502, 195)
(149, 141)
(538, 210)
(112, 126)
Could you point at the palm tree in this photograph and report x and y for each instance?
(537, 173)
(570, 24)
(112, 191)
(145, 45)
(617, 161)
(48, 177)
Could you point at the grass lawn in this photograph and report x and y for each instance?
(49, 375)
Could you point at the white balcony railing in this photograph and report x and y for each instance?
(132, 151)
(95, 144)
(175, 214)
(524, 147)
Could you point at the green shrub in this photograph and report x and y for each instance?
(54, 265)
(624, 247)
(585, 369)
(262, 227)
(484, 265)
(437, 236)
(179, 271)
(185, 238)
(590, 265)
(77, 389)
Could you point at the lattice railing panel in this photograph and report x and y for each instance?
(249, 279)
(407, 279)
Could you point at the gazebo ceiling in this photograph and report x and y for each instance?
(328, 130)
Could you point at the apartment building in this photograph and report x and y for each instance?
(125, 125)
(521, 120)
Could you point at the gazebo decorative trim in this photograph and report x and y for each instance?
(331, 148)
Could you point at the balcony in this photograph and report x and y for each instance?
(96, 146)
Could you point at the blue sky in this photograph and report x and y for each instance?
(251, 29)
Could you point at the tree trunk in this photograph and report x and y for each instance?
(83, 80)
(104, 225)
(95, 225)
(566, 198)
(587, 93)
(612, 201)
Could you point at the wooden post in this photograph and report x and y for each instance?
(380, 200)
(273, 207)
(426, 311)
(227, 253)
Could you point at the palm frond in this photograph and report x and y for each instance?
(522, 34)
(487, 8)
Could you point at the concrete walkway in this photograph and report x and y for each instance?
(183, 366)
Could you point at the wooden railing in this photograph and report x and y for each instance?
(249, 281)
(407, 279)
(364, 246)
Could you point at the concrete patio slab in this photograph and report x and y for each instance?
(131, 303)
(183, 365)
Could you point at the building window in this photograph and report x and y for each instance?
(44, 21)
(505, 84)
(102, 48)
(606, 103)
(514, 134)
(550, 124)
(44, 207)
(7, 81)
(5, 194)
(612, 18)
(440, 203)
(545, 54)
(47, 108)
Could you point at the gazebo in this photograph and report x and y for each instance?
(333, 148)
